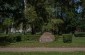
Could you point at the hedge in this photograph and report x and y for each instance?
(67, 38)
(8, 38)
(18, 37)
(80, 34)
(31, 37)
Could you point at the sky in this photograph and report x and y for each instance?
(79, 9)
(75, 1)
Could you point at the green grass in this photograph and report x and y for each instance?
(77, 42)
(43, 53)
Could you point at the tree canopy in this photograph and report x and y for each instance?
(44, 14)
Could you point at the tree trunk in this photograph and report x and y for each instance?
(7, 30)
(33, 29)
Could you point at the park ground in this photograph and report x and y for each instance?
(34, 47)
(76, 42)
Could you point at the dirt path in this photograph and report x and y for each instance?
(41, 49)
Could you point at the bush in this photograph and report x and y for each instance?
(11, 38)
(67, 38)
(18, 38)
(31, 37)
(7, 39)
(80, 34)
(2, 39)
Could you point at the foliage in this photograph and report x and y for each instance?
(67, 38)
(53, 25)
(30, 14)
(7, 22)
(30, 37)
(47, 27)
(80, 34)
(12, 38)
(33, 41)
(32, 18)
(37, 14)
(7, 38)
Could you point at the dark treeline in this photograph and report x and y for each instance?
(38, 16)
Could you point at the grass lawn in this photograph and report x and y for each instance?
(77, 42)
(43, 53)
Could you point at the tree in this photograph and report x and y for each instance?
(53, 26)
(7, 24)
(56, 24)
(39, 13)
(31, 16)
(12, 9)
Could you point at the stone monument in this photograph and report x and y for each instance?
(47, 37)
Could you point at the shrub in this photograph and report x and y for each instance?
(80, 34)
(18, 38)
(2, 39)
(67, 38)
(31, 37)
(11, 38)
(15, 37)
(5, 38)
